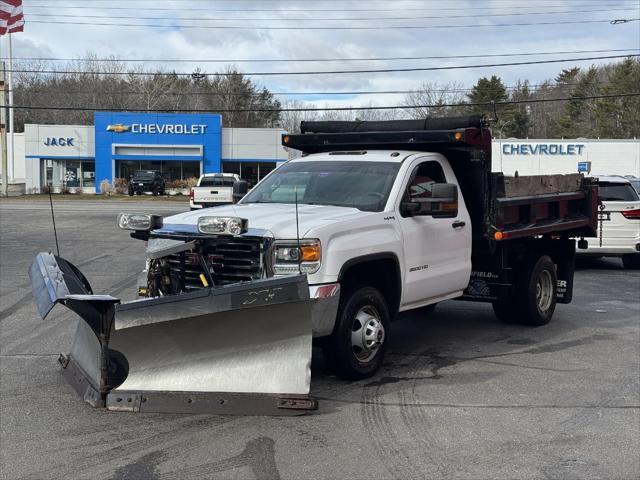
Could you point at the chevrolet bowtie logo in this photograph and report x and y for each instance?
(118, 128)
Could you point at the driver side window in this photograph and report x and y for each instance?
(422, 180)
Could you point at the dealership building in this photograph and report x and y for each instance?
(588, 156)
(181, 146)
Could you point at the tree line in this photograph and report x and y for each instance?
(92, 84)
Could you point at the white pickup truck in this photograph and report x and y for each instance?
(385, 217)
(213, 189)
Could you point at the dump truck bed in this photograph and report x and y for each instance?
(541, 204)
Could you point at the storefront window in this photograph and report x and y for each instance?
(252, 172)
(68, 173)
(126, 168)
(190, 169)
(88, 174)
(231, 167)
(171, 169)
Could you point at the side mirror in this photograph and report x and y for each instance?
(443, 203)
(240, 189)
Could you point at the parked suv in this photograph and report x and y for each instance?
(146, 181)
(618, 222)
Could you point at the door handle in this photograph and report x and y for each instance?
(458, 224)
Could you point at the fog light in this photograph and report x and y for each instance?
(222, 225)
(139, 221)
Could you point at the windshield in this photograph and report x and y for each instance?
(217, 182)
(145, 174)
(617, 192)
(362, 185)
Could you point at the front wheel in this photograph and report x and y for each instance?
(356, 348)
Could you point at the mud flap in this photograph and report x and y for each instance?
(239, 349)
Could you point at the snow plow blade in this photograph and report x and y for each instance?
(242, 349)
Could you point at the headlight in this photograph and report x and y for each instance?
(139, 221)
(222, 225)
(291, 258)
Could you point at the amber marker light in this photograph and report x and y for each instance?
(498, 236)
(310, 253)
(457, 136)
(285, 139)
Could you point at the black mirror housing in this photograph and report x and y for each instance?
(240, 189)
(443, 203)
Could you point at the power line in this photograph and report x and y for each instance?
(299, 60)
(213, 9)
(57, 91)
(315, 19)
(322, 109)
(321, 72)
(378, 27)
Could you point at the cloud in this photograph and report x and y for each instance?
(181, 43)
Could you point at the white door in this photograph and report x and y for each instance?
(437, 251)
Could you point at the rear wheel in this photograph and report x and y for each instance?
(356, 348)
(631, 262)
(535, 294)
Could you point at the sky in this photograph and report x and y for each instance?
(164, 37)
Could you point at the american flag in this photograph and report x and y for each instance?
(11, 17)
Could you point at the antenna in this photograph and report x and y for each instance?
(295, 190)
(53, 219)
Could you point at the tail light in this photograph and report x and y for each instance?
(632, 214)
(191, 193)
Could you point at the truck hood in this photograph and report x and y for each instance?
(278, 218)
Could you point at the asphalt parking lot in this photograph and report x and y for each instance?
(460, 394)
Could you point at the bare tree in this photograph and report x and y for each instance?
(438, 95)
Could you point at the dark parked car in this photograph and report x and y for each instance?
(146, 181)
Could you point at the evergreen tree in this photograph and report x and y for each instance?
(620, 117)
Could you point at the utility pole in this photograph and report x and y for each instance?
(3, 131)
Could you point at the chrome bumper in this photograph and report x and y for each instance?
(325, 300)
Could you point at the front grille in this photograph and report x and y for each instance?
(229, 260)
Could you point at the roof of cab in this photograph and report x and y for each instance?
(395, 156)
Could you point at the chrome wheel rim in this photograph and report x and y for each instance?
(544, 291)
(367, 333)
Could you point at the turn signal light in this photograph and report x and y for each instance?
(457, 136)
(631, 214)
(285, 139)
(310, 253)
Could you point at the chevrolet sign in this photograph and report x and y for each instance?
(118, 128)
(542, 149)
(174, 129)
(177, 129)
